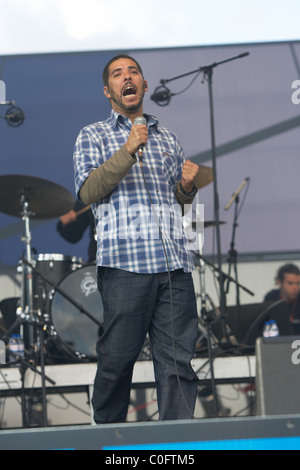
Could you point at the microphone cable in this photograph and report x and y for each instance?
(166, 100)
(170, 291)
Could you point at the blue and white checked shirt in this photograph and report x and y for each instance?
(128, 237)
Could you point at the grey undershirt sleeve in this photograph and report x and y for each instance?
(102, 180)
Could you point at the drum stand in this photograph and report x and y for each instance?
(26, 314)
(30, 268)
(33, 316)
(47, 200)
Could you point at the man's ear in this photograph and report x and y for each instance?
(106, 91)
(145, 85)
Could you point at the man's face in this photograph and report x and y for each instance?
(290, 286)
(126, 87)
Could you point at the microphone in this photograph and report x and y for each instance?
(235, 195)
(14, 116)
(161, 96)
(138, 121)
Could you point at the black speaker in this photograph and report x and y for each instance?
(278, 375)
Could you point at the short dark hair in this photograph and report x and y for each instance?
(287, 269)
(105, 74)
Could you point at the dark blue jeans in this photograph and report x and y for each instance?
(135, 304)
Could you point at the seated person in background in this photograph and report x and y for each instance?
(72, 226)
(288, 281)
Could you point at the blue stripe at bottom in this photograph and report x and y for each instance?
(278, 443)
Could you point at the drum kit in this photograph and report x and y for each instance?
(59, 304)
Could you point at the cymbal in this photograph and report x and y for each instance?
(46, 200)
(204, 176)
(207, 223)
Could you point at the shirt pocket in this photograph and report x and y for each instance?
(164, 162)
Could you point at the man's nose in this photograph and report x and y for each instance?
(127, 75)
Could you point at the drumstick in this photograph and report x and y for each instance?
(84, 209)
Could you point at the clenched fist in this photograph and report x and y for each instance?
(189, 173)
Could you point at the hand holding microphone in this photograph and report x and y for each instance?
(138, 137)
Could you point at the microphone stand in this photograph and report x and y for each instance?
(225, 276)
(232, 258)
(208, 75)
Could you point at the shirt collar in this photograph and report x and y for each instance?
(117, 117)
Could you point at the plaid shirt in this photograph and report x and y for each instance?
(128, 236)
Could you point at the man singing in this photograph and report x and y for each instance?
(144, 266)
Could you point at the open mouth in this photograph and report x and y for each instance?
(129, 90)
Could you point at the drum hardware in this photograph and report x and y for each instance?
(207, 223)
(215, 269)
(46, 200)
(227, 337)
(205, 319)
(30, 197)
(213, 314)
(206, 316)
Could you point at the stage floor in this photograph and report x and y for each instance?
(189, 435)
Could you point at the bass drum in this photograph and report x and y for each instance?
(53, 266)
(77, 331)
